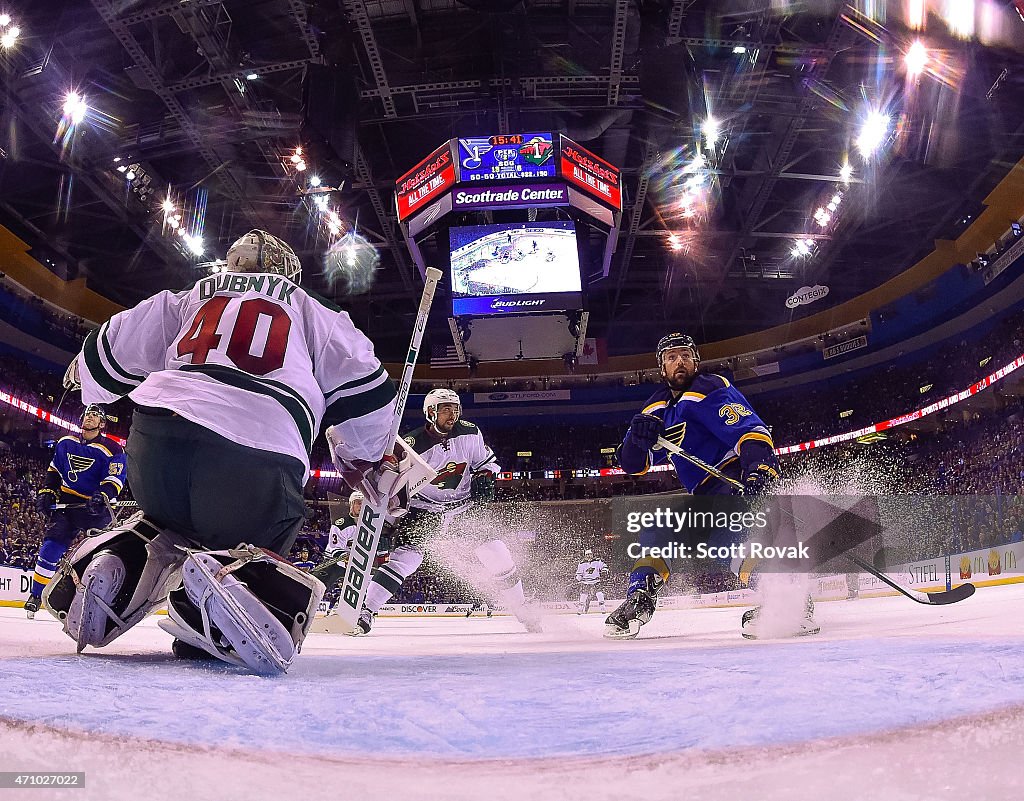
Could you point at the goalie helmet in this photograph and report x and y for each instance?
(677, 340)
(435, 398)
(260, 252)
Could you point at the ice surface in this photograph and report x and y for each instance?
(918, 701)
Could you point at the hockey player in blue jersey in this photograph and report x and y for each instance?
(87, 473)
(708, 417)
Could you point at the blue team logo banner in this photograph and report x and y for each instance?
(506, 157)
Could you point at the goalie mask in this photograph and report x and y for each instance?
(435, 398)
(260, 252)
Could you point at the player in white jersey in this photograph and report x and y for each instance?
(590, 573)
(233, 379)
(466, 470)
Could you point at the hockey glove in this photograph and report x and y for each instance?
(45, 501)
(481, 488)
(97, 503)
(644, 430)
(759, 480)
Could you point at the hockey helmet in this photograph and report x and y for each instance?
(260, 252)
(677, 340)
(94, 408)
(435, 398)
(356, 496)
(589, 554)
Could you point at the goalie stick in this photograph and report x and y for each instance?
(952, 596)
(371, 517)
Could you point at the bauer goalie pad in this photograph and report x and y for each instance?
(114, 579)
(246, 606)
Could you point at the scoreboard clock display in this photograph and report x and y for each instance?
(506, 157)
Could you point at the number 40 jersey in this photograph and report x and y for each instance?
(250, 356)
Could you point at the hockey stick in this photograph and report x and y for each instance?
(664, 444)
(959, 593)
(952, 596)
(371, 518)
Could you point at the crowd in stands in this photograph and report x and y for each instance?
(966, 450)
(32, 316)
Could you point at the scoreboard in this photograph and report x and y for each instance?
(507, 157)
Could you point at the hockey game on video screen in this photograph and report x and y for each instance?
(503, 260)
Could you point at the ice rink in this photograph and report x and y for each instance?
(892, 701)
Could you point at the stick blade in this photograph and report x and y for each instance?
(955, 595)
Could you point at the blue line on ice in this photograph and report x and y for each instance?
(525, 704)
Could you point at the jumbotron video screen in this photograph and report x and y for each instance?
(514, 259)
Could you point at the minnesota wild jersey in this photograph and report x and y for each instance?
(250, 356)
(591, 572)
(339, 540)
(455, 458)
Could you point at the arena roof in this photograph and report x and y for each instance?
(205, 102)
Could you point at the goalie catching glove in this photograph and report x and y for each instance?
(387, 484)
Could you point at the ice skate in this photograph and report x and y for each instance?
(807, 626)
(32, 606)
(638, 608)
(529, 616)
(364, 624)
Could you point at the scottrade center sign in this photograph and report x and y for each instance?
(510, 197)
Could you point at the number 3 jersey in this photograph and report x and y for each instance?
(250, 356)
(455, 458)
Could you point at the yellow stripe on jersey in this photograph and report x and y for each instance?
(756, 435)
(646, 467)
(692, 396)
(725, 381)
(103, 448)
(68, 437)
(67, 489)
(654, 407)
(44, 580)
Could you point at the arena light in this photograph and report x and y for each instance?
(873, 133)
(739, 50)
(959, 16)
(75, 108)
(846, 172)
(711, 129)
(314, 181)
(252, 76)
(915, 14)
(300, 165)
(194, 244)
(5, 20)
(916, 58)
(11, 32)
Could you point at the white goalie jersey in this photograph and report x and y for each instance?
(592, 572)
(455, 458)
(250, 356)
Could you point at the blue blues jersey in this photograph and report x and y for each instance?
(80, 468)
(712, 421)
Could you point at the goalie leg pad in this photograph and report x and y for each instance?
(114, 579)
(246, 606)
